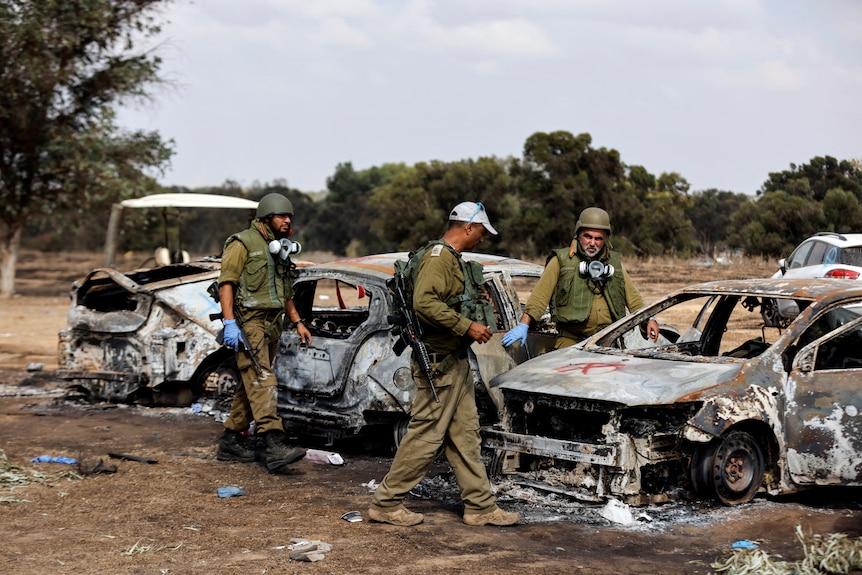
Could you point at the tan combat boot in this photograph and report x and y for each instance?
(496, 517)
(399, 516)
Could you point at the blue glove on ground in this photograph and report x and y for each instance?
(519, 332)
(231, 334)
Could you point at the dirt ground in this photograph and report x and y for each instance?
(166, 516)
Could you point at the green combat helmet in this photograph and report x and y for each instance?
(272, 204)
(594, 218)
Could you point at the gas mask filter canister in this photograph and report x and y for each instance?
(284, 248)
(596, 270)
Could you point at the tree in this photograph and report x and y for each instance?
(842, 211)
(815, 178)
(345, 214)
(64, 65)
(710, 212)
(413, 208)
(775, 223)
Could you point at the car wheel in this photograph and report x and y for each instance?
(220, 383)
(399, 430)
(731, 469)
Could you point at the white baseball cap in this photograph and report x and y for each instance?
(471, 212)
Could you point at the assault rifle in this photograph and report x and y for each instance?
(244, 343)
(409, 330)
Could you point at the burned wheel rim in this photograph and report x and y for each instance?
(737, 468)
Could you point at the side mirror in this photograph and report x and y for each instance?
(782, 265)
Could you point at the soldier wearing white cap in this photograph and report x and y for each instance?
(448, 301)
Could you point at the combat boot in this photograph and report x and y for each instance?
(278, 454)
(495, 517)
(233, 447)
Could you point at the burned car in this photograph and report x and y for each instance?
(146, 335)
(349, 379)
(752, 387)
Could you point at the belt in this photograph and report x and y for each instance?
(437, 357)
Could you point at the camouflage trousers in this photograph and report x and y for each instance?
(452, 424)
(256, 397)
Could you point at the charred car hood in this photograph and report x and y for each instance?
(617, 378)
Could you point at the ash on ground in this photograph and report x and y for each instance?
(538, 506)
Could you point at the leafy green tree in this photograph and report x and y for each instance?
(816, 178)
(413, 208)
(710, 212)
(559, 176)
(346, 213)
(775, 223)
(64, 64)
(841, 211)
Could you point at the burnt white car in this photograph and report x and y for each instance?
(147, 336)
(349, 379)
(754, 386)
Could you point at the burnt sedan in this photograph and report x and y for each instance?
(349, 379)
(754, 386)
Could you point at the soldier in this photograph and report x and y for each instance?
(450, 326)
(255, 292)
(585, 284)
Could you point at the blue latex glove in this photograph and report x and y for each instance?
(231, 334)
(519, 332)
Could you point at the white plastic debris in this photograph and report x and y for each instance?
(618, 512)
(327, 457)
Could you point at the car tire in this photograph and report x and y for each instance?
(399, 430)
(730, 469)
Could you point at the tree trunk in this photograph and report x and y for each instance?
(9, 246)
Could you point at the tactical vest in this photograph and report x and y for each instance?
(264, 283)
(472, 303)
(573, 295)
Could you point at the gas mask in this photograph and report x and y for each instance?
(284, 248)
(596, 270)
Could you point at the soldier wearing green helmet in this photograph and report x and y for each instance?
(256, 294)
(585, 285)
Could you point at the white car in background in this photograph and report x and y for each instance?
(824, 255)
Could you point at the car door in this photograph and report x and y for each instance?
(340, 315)
(805, 261)
(823, 407)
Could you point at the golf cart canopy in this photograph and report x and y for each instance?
(164, 201)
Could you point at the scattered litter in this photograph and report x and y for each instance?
(835, 553)
(54, 459)
(371, 485)
(311, 551)
(352, 516)
(210, 408)
(230, 491)
(133, 457)
(35, 366)
(744, 544)
(618, 512)
(326, 457)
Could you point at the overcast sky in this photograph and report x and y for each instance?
(720, 91)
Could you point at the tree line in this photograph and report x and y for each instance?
(533, 201)
(66, 66)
